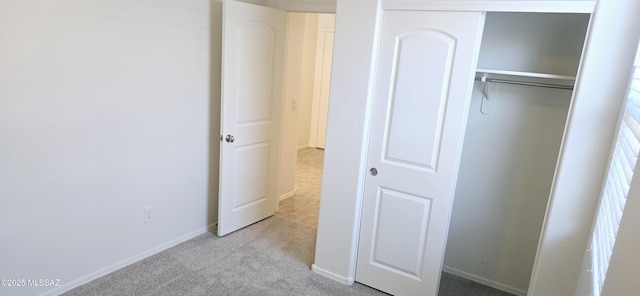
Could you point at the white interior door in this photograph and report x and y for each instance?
(423, 82)
(252, 65)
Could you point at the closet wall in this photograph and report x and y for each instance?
(511, 148)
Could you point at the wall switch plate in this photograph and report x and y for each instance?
(148, 215)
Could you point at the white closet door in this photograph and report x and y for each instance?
(252, 63)
(423, 81)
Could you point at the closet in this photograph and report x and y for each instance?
(468, 116)
(524, 80)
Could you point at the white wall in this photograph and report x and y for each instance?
(506, 170)
(348, 111)
(533, 42)
(593, 115)
(104, 110)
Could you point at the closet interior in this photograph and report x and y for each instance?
(525, 76)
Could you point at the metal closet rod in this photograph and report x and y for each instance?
(525, 83)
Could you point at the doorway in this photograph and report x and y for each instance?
(309, 51)
(274, 105)
(308, 74)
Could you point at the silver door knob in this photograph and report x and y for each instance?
(230, 139)
(373, 171)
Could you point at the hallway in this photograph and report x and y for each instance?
(303, 207)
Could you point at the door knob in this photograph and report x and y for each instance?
(230, 139)
(373, 171)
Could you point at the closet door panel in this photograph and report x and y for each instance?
(423, 80)
(419, 83)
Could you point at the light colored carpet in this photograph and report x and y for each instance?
(271, 257)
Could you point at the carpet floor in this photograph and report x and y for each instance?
(271, 257)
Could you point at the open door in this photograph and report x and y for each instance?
(252, 69)
(423, 81)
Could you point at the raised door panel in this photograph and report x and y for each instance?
(254, 63)
(400, 252)
(421, 74)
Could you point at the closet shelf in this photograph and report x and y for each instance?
(526, 78)
(525, 74)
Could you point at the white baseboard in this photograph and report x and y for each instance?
(303, 146)
(287, 195)
(331, 275)
(133, 259)
(484, 281)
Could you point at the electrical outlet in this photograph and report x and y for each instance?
(148, 215)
